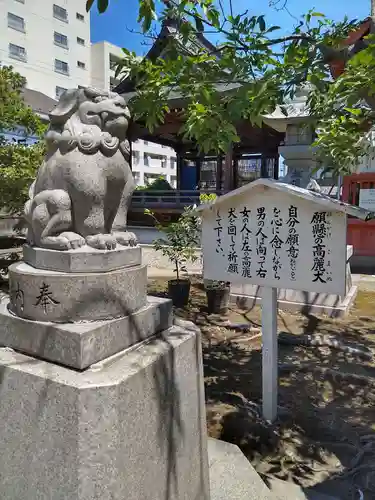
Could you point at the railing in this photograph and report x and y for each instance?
(176, 199)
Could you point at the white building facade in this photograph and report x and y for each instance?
(47, 42)
(150, 161)
(104, 56)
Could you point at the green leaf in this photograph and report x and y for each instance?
(354, 111)
(261, 23)
(213, 16)
(206, 94)
(317, 14)
(102, 5)
(89, 4)
(146, 14)
(273, 28)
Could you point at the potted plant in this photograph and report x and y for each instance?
(179, 246)
(217, 292)
(218, 295)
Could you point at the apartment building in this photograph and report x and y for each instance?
(104, 56)
(149, 160)
(47, 42)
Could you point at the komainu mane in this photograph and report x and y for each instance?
(84, 185)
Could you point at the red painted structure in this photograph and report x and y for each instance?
(360, 234)
(355, 38)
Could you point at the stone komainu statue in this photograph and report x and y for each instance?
(84, 186)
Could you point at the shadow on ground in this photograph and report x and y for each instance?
(326, 424)
(325, 435)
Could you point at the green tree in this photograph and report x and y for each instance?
(18, 163)
(259, 68)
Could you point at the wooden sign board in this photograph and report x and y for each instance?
(276, 235)
(274, 239)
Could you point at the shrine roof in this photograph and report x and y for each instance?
(170, 30)
(320, 199)
(253, 139)
(176, 98)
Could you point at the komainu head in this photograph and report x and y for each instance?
(89, 119)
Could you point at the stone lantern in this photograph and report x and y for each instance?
(297, 150)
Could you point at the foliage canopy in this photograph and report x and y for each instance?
(260, 69)
(18, 163)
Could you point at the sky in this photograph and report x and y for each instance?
(118, 25)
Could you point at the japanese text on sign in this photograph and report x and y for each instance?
(280, 242)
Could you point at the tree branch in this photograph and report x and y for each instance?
(242, 45)
(276, 41)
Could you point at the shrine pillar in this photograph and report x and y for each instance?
(228, 171)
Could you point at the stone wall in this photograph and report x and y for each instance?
(156, 259)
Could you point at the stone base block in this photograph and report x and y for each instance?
(79, 345)
(232, 477)
(82, 260)
(131, 428)
(296, 301)
(42, 295)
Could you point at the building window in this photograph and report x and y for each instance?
(60, 13)
(61, 67)
(146, 159)
(60, 40)
(59, 91)
(173, 163)
(16, 22)
(80, 41)
(145, 143)
(80, 17)
(135, 157)
(81, 64)
(17, 52)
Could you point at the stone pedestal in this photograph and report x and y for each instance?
(82, 260)
(43, 295)
(130, 428)
(79, 345)
(101, 395)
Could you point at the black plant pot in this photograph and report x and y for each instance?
(179, 291)
(218, 299)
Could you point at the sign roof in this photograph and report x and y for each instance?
(323, 200)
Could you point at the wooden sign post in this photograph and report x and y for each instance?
(269, 353)
(276, 236)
